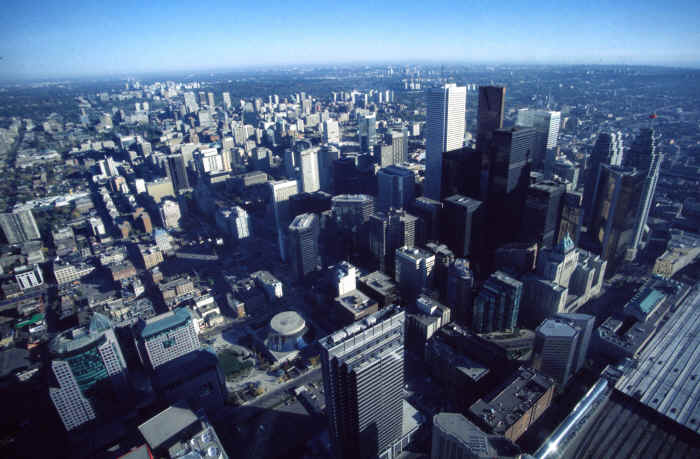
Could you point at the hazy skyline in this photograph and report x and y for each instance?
(67, 38)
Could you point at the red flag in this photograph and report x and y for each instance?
(652, 116)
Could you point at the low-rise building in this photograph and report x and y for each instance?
(514, 406)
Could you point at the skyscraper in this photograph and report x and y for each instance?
(302, 245)
(226, 97)
(614, 209)
(281, 190)
(82, 358)
(367, 125)
(310, 179)
(387, 232)
(414, 271)
(497, 305)
(460, 283)
(165, 337)
(19, 226)
(399, 145)
(509, 178)
(445, 131)
(396, 186)
(177, 171)
(463, 226)
(363, 377)
(326, 155)
(585, 323)
(331, 131)
(546, 124)
(607, 150)
(428, 212)
(542, 212)
(492, 100)
(455, 437)
(643, 156)
(555, 349)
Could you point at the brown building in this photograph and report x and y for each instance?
(122, 270)
(515, 406)
(150, 256)
(142, 220)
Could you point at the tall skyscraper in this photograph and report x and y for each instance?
(463, 226)
(555, 349)
(226, 97)
(165, 337)
(396, 186)
(177, 171)
(509, 178)
(326, 155)
(643, 156)
(363, 378)
(302, 245)
(497, 305)
(546, 124)
(614, 209)
(19, 226)
(607, 150)
(210, 100)
(387, 232)
(281, 190)
(310, 178)
(331, 131)
(445, 131)
(543, 207)
(398, 140)
(492, 100)
(571, 217)
(367, 125)
(82, 359)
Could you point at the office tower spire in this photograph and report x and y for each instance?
(445, 131)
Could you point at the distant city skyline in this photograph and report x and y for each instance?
(68, 39)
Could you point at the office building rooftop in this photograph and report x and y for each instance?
(166, 321)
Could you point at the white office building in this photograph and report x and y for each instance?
(445, 123)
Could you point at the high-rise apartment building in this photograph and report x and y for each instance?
(396, 187)
(363, 378)
(19, 226)
(497, 305)
(302, 245)
(445, 121)
(281, 190)
(83, 359)
(165, 337)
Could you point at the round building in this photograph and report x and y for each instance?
(286, 332)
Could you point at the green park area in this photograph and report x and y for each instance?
(232, 365)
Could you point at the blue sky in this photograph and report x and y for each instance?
(50, 38)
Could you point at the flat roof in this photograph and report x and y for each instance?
(666, 378)
(287, 323)
(166, 321)
(552, 327)
(167, 424)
